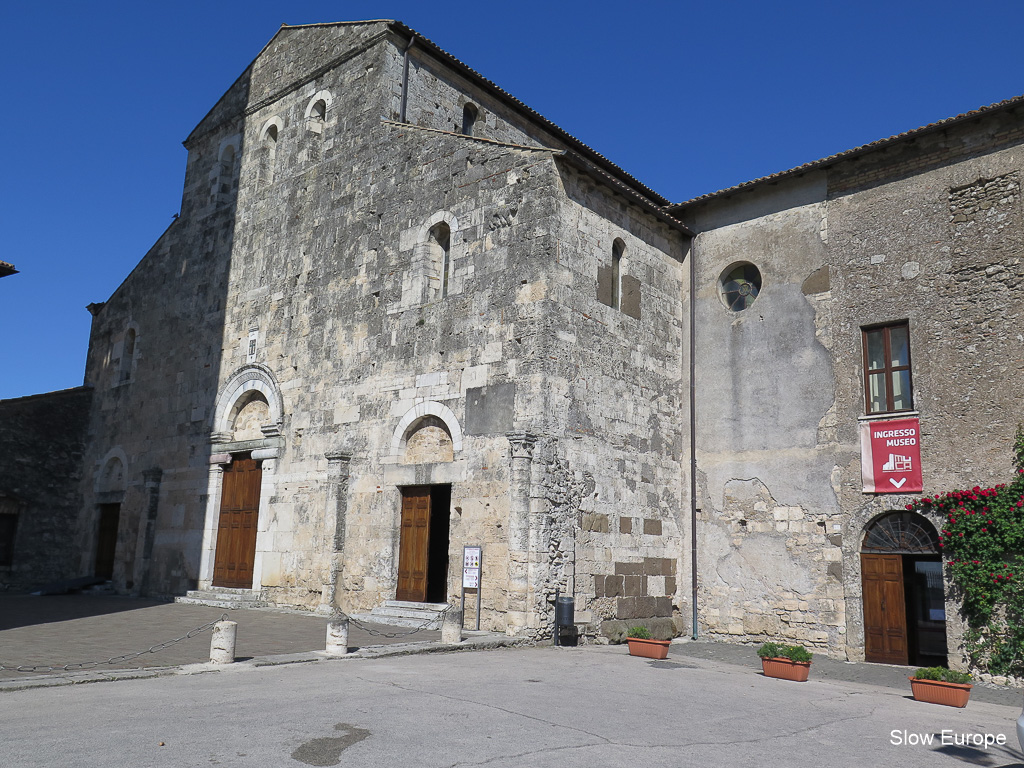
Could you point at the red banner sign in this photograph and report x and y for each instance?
(890, 454)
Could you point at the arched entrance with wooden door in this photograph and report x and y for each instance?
(428, 438)
(245, 443)
(904, 599)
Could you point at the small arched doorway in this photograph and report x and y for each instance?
(423, 555)
(904, 599)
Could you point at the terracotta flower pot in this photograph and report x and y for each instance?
(785, 669)
(939, 692)
(648, 649)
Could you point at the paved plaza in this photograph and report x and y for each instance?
(286, 704)
(531, 707)
(72, 629)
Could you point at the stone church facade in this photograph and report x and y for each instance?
(401, 314)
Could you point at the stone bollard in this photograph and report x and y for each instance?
(222, 645)
(337, 634)
(451, 626)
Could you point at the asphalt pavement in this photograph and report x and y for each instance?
(530, 707)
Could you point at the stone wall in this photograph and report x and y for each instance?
(765, 427)
(615, 388)
(946, 258)
(927, 232)
(42, 439)
(319, 324)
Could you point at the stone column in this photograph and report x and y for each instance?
(338, 464)
(222, 644)
(214, 489)
(151, 478)
(337, 634)
(451, 626)
(268, 458)
(521, 445)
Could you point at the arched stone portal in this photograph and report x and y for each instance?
(246, 440)
(428, 436)
(904, 599)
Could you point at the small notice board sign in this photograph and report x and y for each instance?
(471, 567)
(472, 559)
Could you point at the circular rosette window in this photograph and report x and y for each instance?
(739, 285)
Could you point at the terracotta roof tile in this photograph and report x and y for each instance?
(831, 159)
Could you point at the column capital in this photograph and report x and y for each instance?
(521, 444)
(152, 477)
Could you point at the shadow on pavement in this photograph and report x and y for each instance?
(26, 610)
(993, 756)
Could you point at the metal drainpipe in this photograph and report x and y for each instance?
(405, 79)
(693, 438)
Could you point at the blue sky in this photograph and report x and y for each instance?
(689, 97)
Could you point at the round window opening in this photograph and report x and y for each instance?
(739, 286)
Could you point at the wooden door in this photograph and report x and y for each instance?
(885, 613)
(414, 545)
(236, 531)
(106, 540)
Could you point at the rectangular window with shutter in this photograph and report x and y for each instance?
(887, 382)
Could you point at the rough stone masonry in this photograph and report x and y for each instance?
(401, 314)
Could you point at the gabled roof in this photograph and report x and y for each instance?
(825, 162)
(7, 269)
(531, 115)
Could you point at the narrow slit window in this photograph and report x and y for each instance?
(318, 116)
(440, 242)
(469, 114)
(127, 356)
(618, 248)
(269, 154)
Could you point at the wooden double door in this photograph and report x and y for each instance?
(236, 529)
(423, 544)
(904, 609)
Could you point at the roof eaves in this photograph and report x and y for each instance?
(583, 163)
(856, 151)
(7, 269)
(56, 393)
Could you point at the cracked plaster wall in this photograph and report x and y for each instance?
(765, 411)
(927, 231)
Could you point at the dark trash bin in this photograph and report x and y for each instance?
(565, 614)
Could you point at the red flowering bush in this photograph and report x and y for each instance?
(982, 540)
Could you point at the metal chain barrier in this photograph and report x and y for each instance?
(115, 659)
(425, 625)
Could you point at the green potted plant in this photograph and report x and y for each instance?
(641, 644)
(938, 685)
(786, 662)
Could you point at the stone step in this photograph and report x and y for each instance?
(223, 597)
(397, 621)
(402, 613)
(437, 607)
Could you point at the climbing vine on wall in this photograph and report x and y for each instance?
(982, 540)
